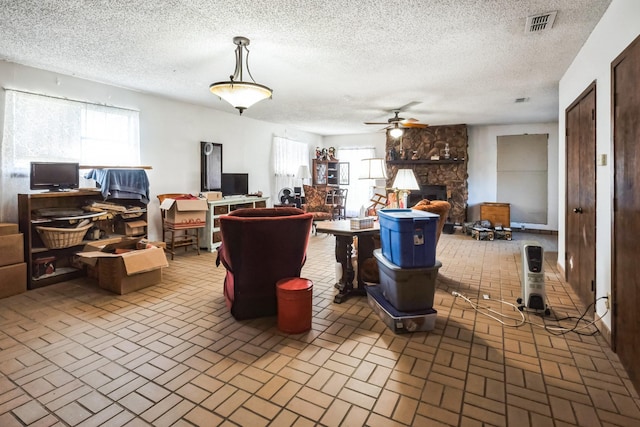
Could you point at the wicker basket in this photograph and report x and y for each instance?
(59, 238)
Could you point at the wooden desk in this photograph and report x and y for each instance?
(344, 251)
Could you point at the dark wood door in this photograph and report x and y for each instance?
(581, 195)
(626, 206)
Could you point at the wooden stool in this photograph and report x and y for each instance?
(295, 296)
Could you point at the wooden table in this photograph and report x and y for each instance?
(344, 251)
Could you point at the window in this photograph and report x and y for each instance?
(360, 190)
(44, 128)
(288, 156)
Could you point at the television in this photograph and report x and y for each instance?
(234, 184)
(54, 176)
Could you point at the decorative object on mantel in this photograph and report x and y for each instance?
(241, 94)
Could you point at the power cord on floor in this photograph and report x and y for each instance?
(552, 329)
(576, 329)
(477, 307)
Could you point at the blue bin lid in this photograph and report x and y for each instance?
(406, 214)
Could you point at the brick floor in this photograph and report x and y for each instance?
(72, 354)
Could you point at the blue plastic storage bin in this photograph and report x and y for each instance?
(408, 237)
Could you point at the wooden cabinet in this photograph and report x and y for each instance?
(330, 173)
(50, 254)
(497, 213)
(210, 237)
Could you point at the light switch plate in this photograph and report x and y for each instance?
(601, 160)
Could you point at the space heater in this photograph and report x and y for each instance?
(533, 292)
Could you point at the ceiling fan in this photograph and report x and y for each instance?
(397, 122)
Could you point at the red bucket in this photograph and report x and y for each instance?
(295, 296)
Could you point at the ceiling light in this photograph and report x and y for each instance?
(237, 92)
(395, 132)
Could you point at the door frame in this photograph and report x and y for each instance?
(591, 87)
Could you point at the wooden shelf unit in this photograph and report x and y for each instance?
(329, 173)
(210, 236)
(35, 249)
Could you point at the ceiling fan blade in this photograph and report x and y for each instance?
(409, 105)
(410, 120)
(376, 123)
(415, 125)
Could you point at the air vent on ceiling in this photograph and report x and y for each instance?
(540, 22)
(520, 100)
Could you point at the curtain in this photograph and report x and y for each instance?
(288, 156)
(360, 190)
(43, 128)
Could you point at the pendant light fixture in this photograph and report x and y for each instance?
(241, 94)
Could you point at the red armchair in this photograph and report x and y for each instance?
(259, 247)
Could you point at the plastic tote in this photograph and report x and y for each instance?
(408, 237)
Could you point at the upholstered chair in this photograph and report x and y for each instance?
(259, 247)
(316, 204)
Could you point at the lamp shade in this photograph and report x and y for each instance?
(241, 95)
(405, 180)
(303, 172)
(373, 169)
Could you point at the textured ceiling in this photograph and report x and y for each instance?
(331, 64)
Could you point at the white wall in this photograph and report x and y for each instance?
(482, 167)
(170, 133)
(373, 139)
(619, 26)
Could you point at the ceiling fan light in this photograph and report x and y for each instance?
(396, 132)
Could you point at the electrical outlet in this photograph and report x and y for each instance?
(607, 302)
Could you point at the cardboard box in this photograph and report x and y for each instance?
(8, 228)
(13, 279)
(188, 213)
(131, 228)
(128, 271)
(211, 195)
(399, 321)
(11, 249)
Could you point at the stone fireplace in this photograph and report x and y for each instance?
(444, 178)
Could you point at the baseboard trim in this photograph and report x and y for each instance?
(535, 231)
(604, 330)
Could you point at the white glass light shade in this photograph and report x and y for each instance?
(396, 132)
(241, 95)
(373, 169)
(303, 172)
(405, 180)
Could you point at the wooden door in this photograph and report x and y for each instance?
(626, 205)
(581, 207)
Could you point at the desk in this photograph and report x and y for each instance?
(344, 251)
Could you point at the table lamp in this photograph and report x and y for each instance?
(303, 173)
(404, 182)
